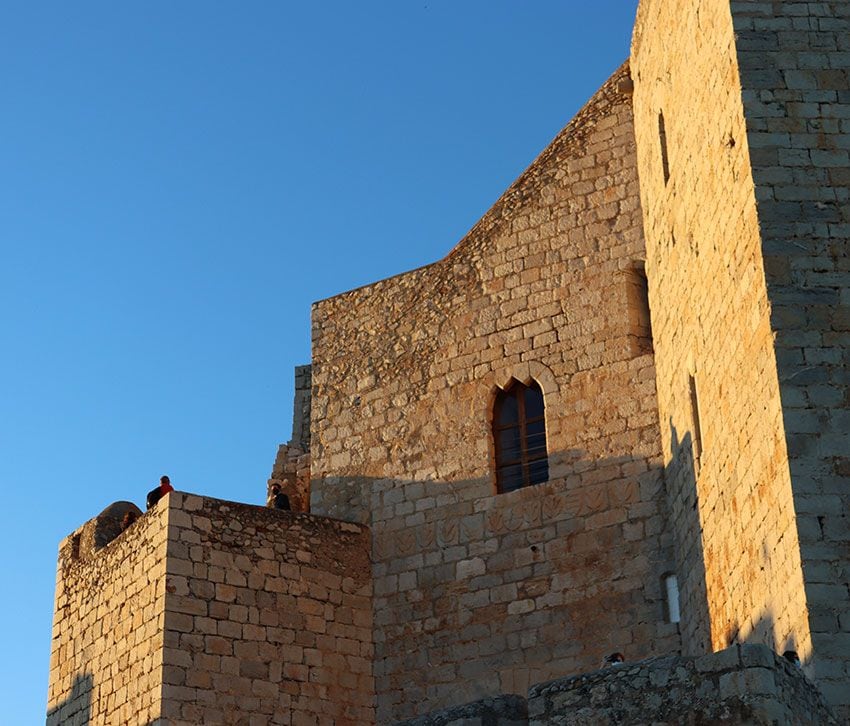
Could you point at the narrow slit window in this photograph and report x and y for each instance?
(697, 432)
(519, 433)
(662, 138)
(671, 597)
(640, 323)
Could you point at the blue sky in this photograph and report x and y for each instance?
(182, 180)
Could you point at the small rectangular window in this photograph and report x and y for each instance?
(671, 594)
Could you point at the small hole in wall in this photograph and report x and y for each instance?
(534, 548)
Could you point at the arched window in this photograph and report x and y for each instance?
(519, 432)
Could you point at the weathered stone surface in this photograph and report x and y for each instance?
(263, 613)
(746, 684)
(747, 264)
(497, 711)
(105, 661)
(711, 444)
(478, 593)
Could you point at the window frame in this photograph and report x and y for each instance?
(526, 456)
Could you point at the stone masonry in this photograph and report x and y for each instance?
(291, 471)
(213, 612)
(794, 63)
(748, 235)
(672, 272)
(728, 479)
(742, 684)
(106, 653)
(477, 592)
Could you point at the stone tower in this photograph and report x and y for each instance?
(742, 113)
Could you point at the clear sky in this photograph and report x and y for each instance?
(180, 180)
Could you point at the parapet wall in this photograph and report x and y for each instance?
(207, 611)
(745, 684)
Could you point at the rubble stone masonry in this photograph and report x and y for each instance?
(744, 684)
(478, 593)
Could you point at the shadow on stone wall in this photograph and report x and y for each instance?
(744, 684)
(76, 709)
(478, 594)
(680, 477)
(700, 633)
(764, 633)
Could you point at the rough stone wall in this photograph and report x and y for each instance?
(795, 72)
(508, 710)
(301, 408)
(106, 654)
(207, 611)
(291, 470)
(741, 685)
(268, 616)
(724, 442)
(478, 593)
(744, 684)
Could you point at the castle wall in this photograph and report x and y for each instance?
(795, 72)
(106, 654)
(478, 593)
(207, 611)
(291, 470)
(268, 614)
(301, 408)
(718, 388)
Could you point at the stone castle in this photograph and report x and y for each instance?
(614, 418)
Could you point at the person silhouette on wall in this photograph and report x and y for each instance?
(154, 495)
(278, 500)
